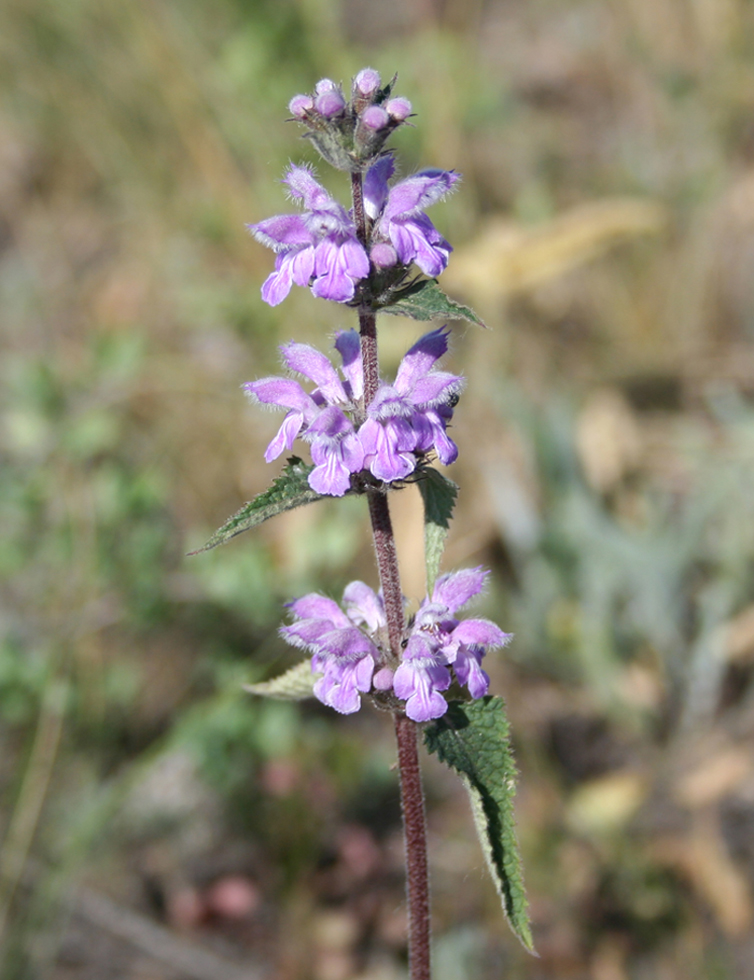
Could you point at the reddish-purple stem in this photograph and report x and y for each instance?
(412, 796)
(415, 837)
(387, 565)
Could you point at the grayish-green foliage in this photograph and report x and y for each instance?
(288, 491)
(295, 684)
(473, 739)
(439, 496)
(424, 300)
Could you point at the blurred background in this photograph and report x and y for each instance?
(158, 823)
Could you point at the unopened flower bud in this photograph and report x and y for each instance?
(300, 105)
(383, 679)
(366, 82)
(374, 117)
(330, 103)
(399, 109)
(325, 85)
(383, 256)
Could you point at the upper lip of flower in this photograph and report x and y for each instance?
(417, 385)
(318, 247)
(408, 198)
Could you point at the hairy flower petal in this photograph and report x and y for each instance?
(375, 185)
(316, 606)
(301, 265)
(318, 248)
(468, 670)
(286, 436)
(480, 632)
(388, 448)
(420, 358)
(330, 476)
(302, 185)
(417, 240)
(338, 268)
(437, 388)
(420, 677)
(363, 605)
(314, 365)
(281, 392)
(348, 345)
(278, 284)
(282, 231)
(410, 197)
(455, 589)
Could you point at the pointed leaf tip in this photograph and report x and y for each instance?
(424, 300)
(291, 489)
(473, 739)
(295, 684)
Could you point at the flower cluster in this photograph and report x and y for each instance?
(351, 652)
(320, 247)
(405, 421)
(350, 134)
(363, 432)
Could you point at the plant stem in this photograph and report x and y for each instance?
(368, 331)
(412, 797)
(387, 565)
(359, 214)
(415, 837)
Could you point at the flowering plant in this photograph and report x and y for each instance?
(368, 437)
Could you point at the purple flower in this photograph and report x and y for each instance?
(404, 421)
(317, 248)
(318, 417)
(439, 641)
(351, 649)
(336, 452)
(398, 212)
(344, 654)
(422, 674)
(410, 416)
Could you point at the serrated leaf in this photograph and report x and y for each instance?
(473, 739)
(289, 490)
(424, 300)
(295, 684)
(439, 496)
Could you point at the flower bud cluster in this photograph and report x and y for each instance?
(350, 134)
(351, 650)
(404, 422)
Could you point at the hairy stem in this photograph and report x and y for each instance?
(367, 317)
(368, 331)
(387, 565)
(415, 837)
(412, 797)
(359, 214)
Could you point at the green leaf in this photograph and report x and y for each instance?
(424, 300)
(289, 490)
(294, 685)
(439, 495)
(473, 739)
